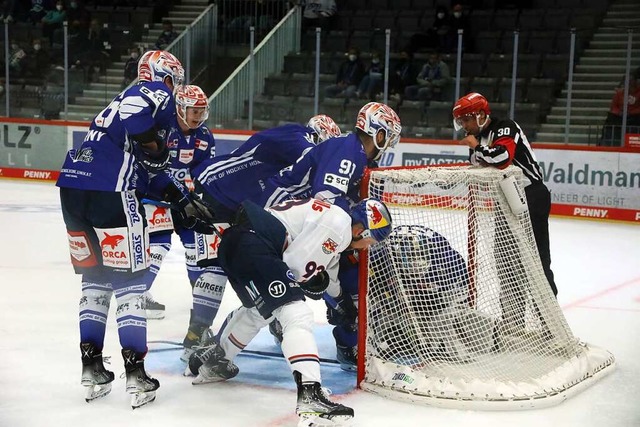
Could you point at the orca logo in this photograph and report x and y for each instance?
(277, 289)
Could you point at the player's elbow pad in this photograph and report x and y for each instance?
(153, 159)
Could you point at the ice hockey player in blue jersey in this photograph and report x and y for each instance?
(100, 186)
(189, 145)
(332, 171)
(230, 179)
(225, 181)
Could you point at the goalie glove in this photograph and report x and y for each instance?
(315, 286)
(343, 312)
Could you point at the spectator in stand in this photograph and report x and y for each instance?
(431, 80)
(348, 77)
(167, 36)
(53, 20)
(9, 9)
(77, 14)
(39, 9)
(37, 61)
(612, 129)
(404, 75)
(371, 83)
(319, 13)
(459, 21)
(93, 54)
(434, 37)
(17, 59)
(131, 67)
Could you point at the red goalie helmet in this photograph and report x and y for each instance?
(192, 96)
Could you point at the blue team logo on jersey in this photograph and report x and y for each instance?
(277, 289)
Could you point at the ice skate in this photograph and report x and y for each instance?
(199, 335)
(275, 328)
(153, 308)
(141, 386)
(347, 357)
(95, 377)
(210, 365)
(315, 409)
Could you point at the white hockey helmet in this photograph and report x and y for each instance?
(377, 117)
(156, 65)
(191, 96)
(324, 127)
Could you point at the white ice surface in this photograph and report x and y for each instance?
(597, 267)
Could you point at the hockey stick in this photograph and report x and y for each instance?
(245, 351)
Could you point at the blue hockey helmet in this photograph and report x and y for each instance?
(374, 216)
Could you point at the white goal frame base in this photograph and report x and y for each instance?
(402, 383)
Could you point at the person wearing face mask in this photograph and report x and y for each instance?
(435, 36)
(78, 15)
(431, 80)
(348, 78)
(167, 36)
(371, 83)
(53, 20)
(459, 21)
(37, 62)
(131, 67)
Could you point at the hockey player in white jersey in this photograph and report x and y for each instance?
(275, 257)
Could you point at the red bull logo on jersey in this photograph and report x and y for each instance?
(376, 219)
(329, 246)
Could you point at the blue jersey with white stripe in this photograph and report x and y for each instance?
(105, 161)
(240, 175)
(331, 171)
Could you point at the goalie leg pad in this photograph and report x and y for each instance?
(298, 343)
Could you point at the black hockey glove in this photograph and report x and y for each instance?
(153, 160)
(193, 213)
(344, 313)
(315, 287)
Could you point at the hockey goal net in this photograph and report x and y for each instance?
(458, 310)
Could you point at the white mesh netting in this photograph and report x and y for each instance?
(459, 311)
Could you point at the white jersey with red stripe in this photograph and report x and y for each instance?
(317, 233)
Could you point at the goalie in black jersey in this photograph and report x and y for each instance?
(419, 299)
